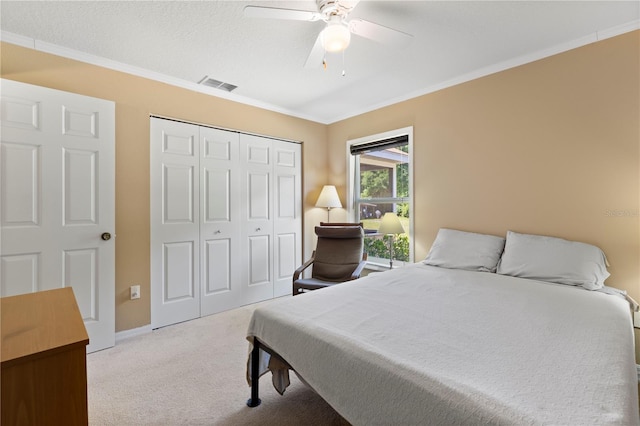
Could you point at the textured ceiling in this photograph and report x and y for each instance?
(264, 58)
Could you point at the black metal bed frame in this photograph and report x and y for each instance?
(254, 401)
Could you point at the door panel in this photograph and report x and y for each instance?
(80, 187)
(80, 272)
(286, 194)
(258, 195)
(20, 206)
(58, 197)
(217, 192)
(175, 222)
(79, 123)
(220, 225)
(20, 274)
(259, 260)
(178, 194)
(287, 221)
(177, 274)
(257, 228)
(218, 270)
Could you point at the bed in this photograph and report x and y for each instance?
(450, 341)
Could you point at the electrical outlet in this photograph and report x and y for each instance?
(135, 292)
(636, 319)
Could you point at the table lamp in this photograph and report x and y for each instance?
(328, 198)
(390, 225)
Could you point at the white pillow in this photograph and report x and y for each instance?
(465, 250)
(553, 260)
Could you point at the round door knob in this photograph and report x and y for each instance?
(105, 236)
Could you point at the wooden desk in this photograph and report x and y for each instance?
(44, 362)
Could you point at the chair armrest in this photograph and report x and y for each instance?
(632, 303)
(356, 274)
(304, 266)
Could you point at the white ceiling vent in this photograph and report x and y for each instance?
(216, 84)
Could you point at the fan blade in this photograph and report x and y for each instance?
(316, 55)
(379, 33)
(275, 13)
(349, 5)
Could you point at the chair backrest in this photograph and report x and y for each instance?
(360, 224)
(338, 253)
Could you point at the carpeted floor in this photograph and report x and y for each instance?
(193, 373)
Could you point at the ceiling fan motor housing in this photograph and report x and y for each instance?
(332, 7)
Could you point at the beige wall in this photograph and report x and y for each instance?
(549, 147)
(136, 99)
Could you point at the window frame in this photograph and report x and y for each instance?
(352, 182)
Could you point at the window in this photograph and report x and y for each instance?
(380, 181)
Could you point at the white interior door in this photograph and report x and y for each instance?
(220, 221)
(175, 222)
(257, 209)
(58, 199)
(287, 223)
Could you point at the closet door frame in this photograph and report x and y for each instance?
(226, 219)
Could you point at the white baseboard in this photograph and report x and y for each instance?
(121, 335)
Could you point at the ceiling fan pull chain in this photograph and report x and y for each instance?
(344, 68)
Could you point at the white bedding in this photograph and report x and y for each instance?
(428, 345)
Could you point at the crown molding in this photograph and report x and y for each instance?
(68, 53)
(502, 66)
(54, 49)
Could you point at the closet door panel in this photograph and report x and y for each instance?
(286, 261)
(258, 196)
(257, 208)
(259, 260)
(217, 271)
(220, 224)
(287, 223)
(175, 222)
(177, 274)
(177, 193)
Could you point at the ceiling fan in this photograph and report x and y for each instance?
(335, 37)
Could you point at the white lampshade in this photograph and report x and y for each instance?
(329, 197)
(335, 37)
(390, 225)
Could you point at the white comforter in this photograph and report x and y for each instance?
(425, 345)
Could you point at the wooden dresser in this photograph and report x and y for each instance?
(44, 362)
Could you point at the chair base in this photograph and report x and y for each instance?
(309, 284)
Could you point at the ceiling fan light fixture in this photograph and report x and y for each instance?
(335, 37)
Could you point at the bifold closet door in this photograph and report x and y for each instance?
(257, 212)
(272, 209)
(287, 214)
(221, 256)
(225, 219)
(175, 222)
